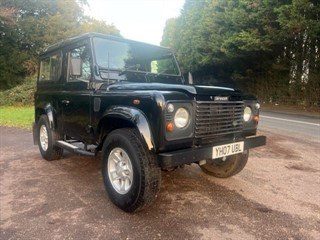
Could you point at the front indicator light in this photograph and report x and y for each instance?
(136, 101)
(256, 119)
(170, 127)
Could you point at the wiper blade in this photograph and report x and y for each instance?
(133, 68)
(162, 72)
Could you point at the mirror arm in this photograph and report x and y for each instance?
(96, 70)
(190, 78)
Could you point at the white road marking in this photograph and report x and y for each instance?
(288, 120)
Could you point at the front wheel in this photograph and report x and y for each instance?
(227, 167)
(46, 139)
(130, 171)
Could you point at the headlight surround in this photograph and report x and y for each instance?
(247, 114)
(181, 118)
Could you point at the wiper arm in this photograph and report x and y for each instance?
(132, 68)
(162, 72)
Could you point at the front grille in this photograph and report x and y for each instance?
(218, 118)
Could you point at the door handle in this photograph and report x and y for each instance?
(66, 102)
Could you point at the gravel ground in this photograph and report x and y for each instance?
(277, 196)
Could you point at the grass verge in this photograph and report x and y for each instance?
(21, 117)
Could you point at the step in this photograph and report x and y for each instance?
(74, 149)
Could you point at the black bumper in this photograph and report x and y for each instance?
(191, 155)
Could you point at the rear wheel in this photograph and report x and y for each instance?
(130, 171)
(223, 168)
(46, 139)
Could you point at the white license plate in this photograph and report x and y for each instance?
(227, 150)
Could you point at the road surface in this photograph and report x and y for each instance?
(276, 196)
(291, 124)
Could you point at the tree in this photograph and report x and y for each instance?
(300, 24)
(27, 29)
(269, 47)
(10, 54)
(169, 33)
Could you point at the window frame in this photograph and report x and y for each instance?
(68, 58)
(49, 55)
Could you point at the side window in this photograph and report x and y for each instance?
(79, 64)
(50, 68)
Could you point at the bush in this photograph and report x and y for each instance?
(20, 95)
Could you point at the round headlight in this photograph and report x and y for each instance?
(247, 114)
(181, 118)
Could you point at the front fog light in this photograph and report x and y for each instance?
(181, 118)
(247, 114)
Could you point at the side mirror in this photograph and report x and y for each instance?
(190, 78)
(75, 67)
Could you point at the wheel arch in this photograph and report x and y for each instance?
(48, 110)
(122, 117)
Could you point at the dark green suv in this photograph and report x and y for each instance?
(130, 101)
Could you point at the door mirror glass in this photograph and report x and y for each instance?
(79, 68)
(75, 67)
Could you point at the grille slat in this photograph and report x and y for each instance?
(219, 124)
(218, 118)
(225, 117)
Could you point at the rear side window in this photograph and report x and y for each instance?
(50, 68)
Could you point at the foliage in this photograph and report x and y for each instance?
(269, 47)
(21, 117)
(22, 94)
(27, 29)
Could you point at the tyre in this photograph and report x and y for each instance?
(223, 168)
(46, 139)
(130, 171)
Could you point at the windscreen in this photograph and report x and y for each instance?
(137, 57)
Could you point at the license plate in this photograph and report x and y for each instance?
(227, 150)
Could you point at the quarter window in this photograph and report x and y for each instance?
(50, 68)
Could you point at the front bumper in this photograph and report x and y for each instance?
(192, 155)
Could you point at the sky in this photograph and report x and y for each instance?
(141, 20)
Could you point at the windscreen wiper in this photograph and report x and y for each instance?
(162, 72)
(133, 68)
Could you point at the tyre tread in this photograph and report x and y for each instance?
(53, 152)
(236, 164)
(150, 171)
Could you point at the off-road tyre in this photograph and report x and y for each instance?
(146, 174)
(48, 151)
(227, 168)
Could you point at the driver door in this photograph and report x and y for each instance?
(76, 98)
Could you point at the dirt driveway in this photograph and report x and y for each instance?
(277, 196)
